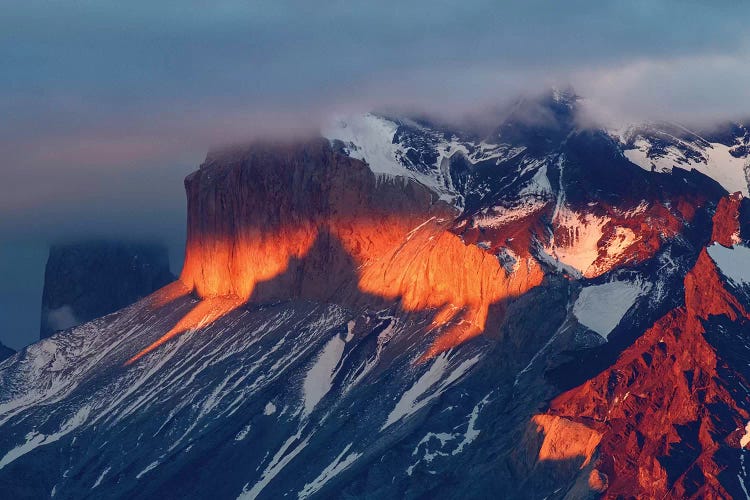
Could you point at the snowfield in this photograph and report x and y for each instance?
(266, 384)
(731, 172)
(734, 262)
(601, 307)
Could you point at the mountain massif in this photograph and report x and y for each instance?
(400, 309)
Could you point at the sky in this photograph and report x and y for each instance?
(106, 105)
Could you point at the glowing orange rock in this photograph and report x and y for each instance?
(301, 221)
(205, 312)
(664, 384)
(727, 220)
(565, 439)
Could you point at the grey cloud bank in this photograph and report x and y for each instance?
(106, 105)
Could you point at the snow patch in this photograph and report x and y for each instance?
(35, 439)
(338, 465)
(101, 476)
(601, 307)
(577, 240)
(539, 185)
(369, 138)
(243, 433)
(497, 217)
(270, 409)
(350, 330)
(443, 438)
(149, 468)
(278, 462)
(471, 430)
(733, 262)
(319, 378)
(744, 440)
(719, 163)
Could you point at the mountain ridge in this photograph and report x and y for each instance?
(463, 329)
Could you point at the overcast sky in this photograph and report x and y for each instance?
(106, 105)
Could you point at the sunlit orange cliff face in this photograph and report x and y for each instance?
(664, 396)
(278, 222)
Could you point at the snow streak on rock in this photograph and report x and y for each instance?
(430, 385)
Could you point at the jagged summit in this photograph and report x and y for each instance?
(542, 123)
(454, 161)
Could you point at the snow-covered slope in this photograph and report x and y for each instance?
(255, 387)
(662, 147)
(734, 262)
(295, 399)
(602, 307)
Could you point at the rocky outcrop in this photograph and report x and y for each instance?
(667, 410)
(87, 280)
(726, 229)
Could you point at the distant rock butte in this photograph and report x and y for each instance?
(5, 352)
(89, 279)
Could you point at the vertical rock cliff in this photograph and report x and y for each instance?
(5, 352)
(87, 280)
(277, 222)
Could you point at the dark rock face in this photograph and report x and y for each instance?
(5, 352)
(87, 280)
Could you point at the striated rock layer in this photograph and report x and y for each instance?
(335, 232)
